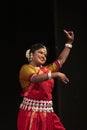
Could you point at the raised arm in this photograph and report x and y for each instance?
(62, 58)
(65, 52)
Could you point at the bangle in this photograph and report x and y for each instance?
(68, 45)
(49, 75)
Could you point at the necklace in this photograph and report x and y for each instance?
(37, 67)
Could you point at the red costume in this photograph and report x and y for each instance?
(36, 110)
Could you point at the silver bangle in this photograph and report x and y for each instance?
(68, 45)
(49, 75)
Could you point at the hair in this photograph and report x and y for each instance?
(37, 46)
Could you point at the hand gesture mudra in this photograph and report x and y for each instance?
(70, 36)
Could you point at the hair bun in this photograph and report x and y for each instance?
(27, 53)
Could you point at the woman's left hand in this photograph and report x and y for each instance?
(70, 36)
(63, 78)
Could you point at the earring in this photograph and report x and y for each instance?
(31, 56)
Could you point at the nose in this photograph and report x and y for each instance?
(43, 56)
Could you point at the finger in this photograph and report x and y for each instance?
(70, 32)
(65, 31)
(66, 80)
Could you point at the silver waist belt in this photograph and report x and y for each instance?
(37, 105)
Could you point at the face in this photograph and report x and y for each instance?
(39, 56)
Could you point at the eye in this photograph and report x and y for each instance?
(45, 55)
(40, 52)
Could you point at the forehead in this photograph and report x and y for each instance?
(44, 50)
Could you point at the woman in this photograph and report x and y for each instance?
(36, 79)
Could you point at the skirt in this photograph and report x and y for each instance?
(38, 119)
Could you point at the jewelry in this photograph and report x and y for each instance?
(68, 45)
(49, 75)
(37, 105)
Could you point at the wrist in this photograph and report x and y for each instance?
(69, 45)
(49, 75)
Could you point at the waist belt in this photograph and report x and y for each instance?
(36, 105)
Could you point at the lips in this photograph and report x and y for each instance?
(42, 59)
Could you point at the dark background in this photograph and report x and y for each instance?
(26, 22)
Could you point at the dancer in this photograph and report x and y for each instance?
(37, 82)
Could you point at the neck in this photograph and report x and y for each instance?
(35, 65)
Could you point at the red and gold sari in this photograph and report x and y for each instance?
(36, 111)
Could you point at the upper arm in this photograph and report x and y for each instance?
(55, 66)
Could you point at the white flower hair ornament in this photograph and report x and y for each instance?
(29, 55)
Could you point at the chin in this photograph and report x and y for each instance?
(40, 64)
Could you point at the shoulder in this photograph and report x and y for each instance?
(27, 67)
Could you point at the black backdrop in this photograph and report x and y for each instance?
(28, 22)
